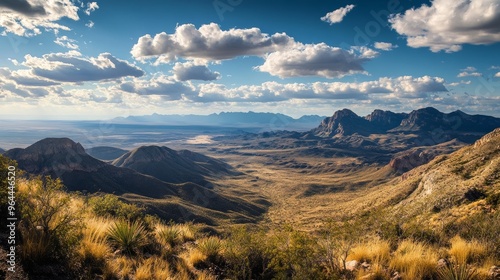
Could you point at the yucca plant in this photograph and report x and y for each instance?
(170, 236)
(128, 237)
(210, 247)
(457, 272)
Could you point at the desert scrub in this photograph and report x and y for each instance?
(129, 237)
(109, 205)
(50, 227)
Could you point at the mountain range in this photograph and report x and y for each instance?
(266, 121)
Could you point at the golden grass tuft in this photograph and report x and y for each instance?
(464, 252)
(193, 257)
(121, 267)
(414, 260)
(375, 251)
(153, 268)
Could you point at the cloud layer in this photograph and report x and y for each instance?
(448, 24)
(73, 67)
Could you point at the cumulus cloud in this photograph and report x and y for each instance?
(91, 6)
(208, 43)
(446, 25)
(497, 75)
(316, 60)
(190, 71)
(167, 87)
(73, 67)
(26, 18)
(384, 46)
(337, 15)
(23, 78)
(66, 42)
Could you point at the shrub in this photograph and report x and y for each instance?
(109, 205)
(127, 236)
(50, 227)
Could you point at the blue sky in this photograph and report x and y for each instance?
(65, 59)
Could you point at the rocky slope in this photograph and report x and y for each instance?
(105, 153)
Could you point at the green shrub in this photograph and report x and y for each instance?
(129, 237)
(109, 205)
(50, 226)
(210, 247)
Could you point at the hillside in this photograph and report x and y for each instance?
(451, 183)
(65, 159)
(173, 166)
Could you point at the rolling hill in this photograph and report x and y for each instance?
(173, 166)
(65, 159)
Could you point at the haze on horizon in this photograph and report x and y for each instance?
(76, 61)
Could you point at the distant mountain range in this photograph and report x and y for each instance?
(426, 120)
(266, 121)
(63, 158)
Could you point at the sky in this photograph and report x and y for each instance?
(86, 60)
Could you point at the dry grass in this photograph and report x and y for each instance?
(414, 260)
(153, 268)
(121, 267)
(464, 252)
(193, 257)
(375, 251)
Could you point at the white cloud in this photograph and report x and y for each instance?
(91, 6)
(469, 74)
(316, 60)
(400, 87)
(497, 75)
(190, 71)
(208, 43)
(337, 15)
(385, 46)
(73, 67)
(27, 18)
(469, 69)
(446, 25)
(90, 24)
(167, 87)
(66, 42)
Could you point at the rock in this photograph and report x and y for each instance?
(396, 276)
(494, 272)
(352, 265)
(365, 265)
(442, 263)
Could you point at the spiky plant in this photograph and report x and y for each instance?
(128, 237)
(457, 272)
(210, 247)
(169, 235)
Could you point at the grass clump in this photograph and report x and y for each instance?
(414, 260)
(211, 247)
